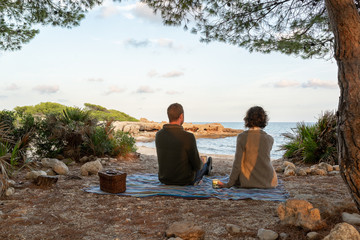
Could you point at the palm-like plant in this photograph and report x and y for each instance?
(313, 143)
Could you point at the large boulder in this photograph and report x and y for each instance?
(60, 168)
(186, 231)
(90, 168)
(49, 162)
(300, 213)
(343, 231)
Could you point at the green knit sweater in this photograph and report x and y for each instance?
(178, 156)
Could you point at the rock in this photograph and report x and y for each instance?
(320, 172)
(177, 238)
(289, 171)
(11, 183)
(327, 167)
(300, 213)
(186, 231)
(49, 162)
(264, 234)
(351, 218)
(283, 236)
(60, 168)
(50, 172)
(231, 228)
(289, 164)
(343, 231)
(91, 168)
(279, 169)
(336, 168)
(307, 170)
(313, 236)
(300, 172)
(84, 159)
(34, 174)
(10, 191)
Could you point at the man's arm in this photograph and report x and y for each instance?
(193, 154)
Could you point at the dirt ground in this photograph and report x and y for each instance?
(65, 211)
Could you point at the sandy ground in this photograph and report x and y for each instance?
(66, 212)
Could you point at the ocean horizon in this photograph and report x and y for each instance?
(227, 146)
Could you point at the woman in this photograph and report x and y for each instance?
(252, 165)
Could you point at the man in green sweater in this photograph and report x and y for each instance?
(178, 156)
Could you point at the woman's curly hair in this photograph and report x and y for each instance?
(256, 117)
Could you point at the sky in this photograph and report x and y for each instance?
(122, 57)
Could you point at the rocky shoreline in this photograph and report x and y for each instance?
(144, 131)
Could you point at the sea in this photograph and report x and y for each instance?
(227, 146)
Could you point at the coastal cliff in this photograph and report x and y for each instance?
(145, 130)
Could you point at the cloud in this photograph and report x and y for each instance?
(131, 11)
(317, 83)
(166, 43)
(172, 74)
(47, 89)
(152, 73)
(12, 87)
(133, 43)
(95, 80)
(171, 92)
(286, 83)
(114, 89)
(144, 89)
(142, 11)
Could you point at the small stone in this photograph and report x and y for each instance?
(265, 234)
(232, 228)
(11, 182)
(289, 164)
(34, 174)
(186, 231)
(280, 169)
(351, 218)
(336, 168)
(289, 171)
(343, 231)
(300, 172)
(307, 170)
(10, 191)
(320, 172)
(327, 167)
(84, 159)
(50, 172)
(283, 236)
(312, 236)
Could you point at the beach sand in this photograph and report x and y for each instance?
(67, 212)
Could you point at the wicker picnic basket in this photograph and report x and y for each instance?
(112, 181)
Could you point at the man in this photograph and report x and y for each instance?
(178, 156)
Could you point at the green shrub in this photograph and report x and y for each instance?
(104, 140)
(313, 143)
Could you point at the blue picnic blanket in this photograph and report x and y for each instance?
(147, 185)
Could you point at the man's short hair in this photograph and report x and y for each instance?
(174, 111)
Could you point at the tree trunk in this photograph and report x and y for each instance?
(345, 23)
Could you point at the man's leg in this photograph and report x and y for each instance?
(205, 170)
